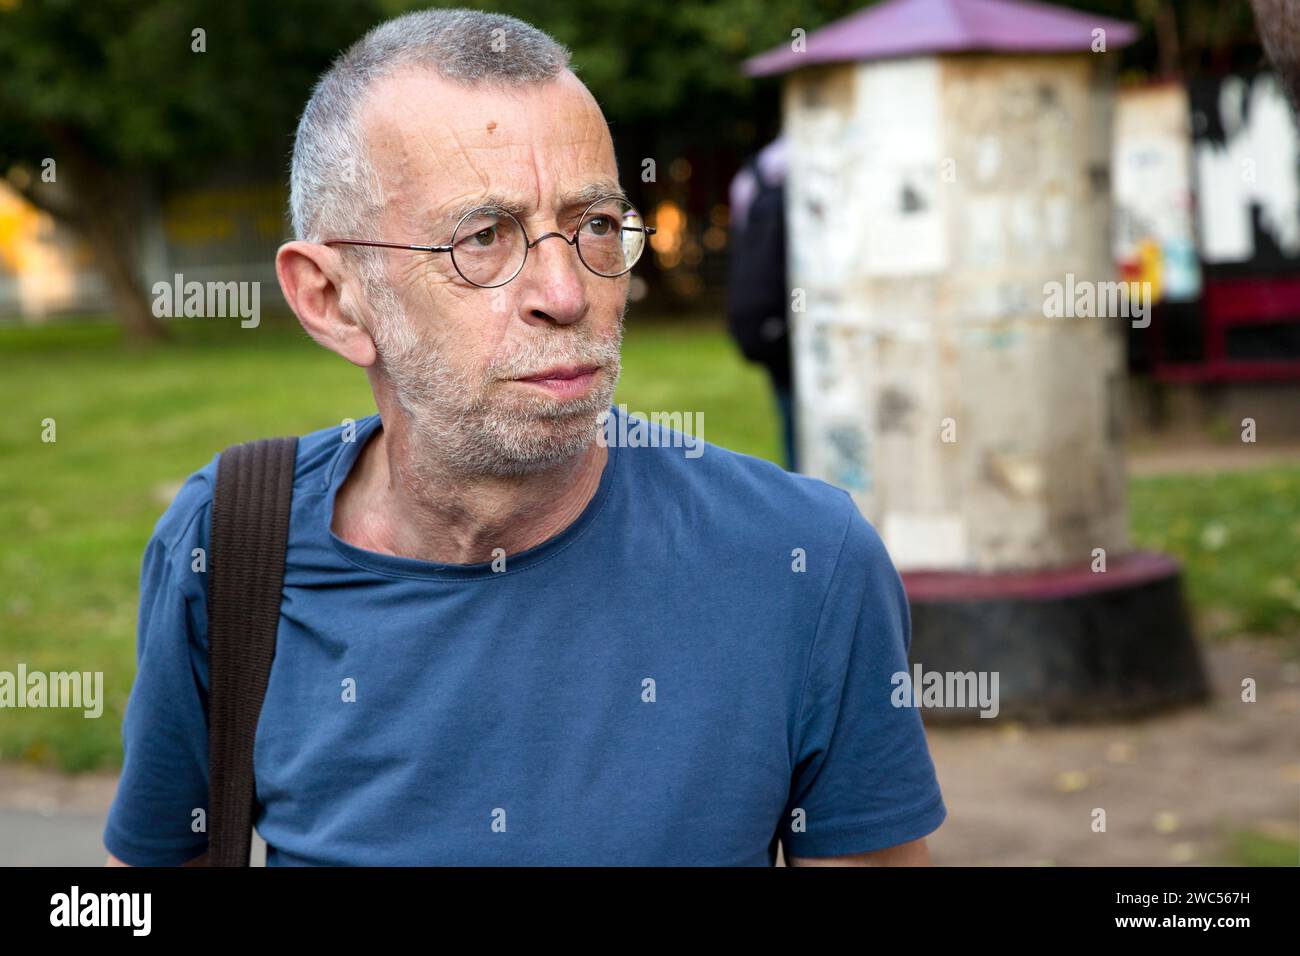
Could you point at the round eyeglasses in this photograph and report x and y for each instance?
(489, 245)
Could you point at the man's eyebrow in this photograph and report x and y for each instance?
(589, 193)
(461, 210)
(582, 197)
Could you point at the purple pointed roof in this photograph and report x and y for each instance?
(911, 27)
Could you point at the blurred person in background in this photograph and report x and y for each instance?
(757, 288)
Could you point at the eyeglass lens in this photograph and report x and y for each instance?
(489, 245)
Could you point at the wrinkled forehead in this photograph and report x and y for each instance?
(436, 145)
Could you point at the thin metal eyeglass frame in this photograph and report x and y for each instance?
(648, 230)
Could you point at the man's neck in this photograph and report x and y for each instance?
(458, 519)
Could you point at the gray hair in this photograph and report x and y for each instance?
(333, 188)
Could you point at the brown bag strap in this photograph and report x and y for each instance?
(250, 530)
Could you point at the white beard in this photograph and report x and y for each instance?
(457, 427)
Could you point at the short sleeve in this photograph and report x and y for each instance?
(164, 776)
(863, 776)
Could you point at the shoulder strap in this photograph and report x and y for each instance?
(250, 527)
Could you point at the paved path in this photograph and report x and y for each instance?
(1174, 787)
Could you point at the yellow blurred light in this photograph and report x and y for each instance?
(670, 221)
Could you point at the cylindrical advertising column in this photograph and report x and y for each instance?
(958, 329)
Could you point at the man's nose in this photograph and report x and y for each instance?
(554, 284)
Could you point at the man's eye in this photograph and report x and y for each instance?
(485, 237)
(599, 225)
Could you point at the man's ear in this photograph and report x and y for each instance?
(324, 296)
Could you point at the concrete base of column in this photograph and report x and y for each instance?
(1068, 644)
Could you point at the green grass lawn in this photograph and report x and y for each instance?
(1238, 537)
(1252, 848)
(75, 514)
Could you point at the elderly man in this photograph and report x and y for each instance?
(560, 650)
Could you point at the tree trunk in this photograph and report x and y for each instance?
(114, 248)
(104, 211)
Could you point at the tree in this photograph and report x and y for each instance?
(118, 94)
(127, 97)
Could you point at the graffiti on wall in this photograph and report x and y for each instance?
(1247, 150)
(1154, 237)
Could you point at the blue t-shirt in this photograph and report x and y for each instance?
(698, 665)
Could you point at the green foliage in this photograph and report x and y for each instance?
(120, 77)
(671, 71)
